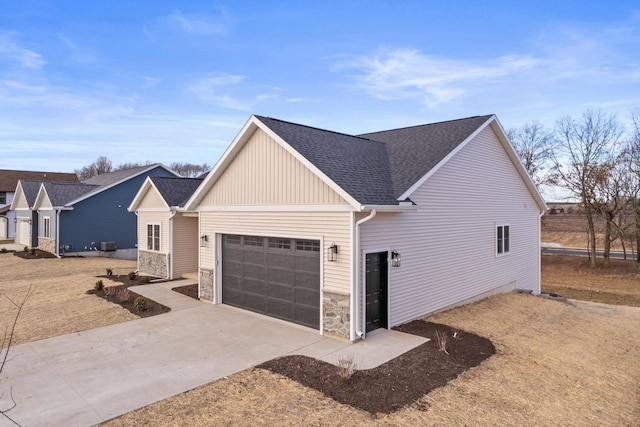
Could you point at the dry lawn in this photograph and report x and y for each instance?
(571, 232)
(58, 304)
(556, 364)
(613, 282)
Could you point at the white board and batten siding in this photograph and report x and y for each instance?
(266, 191)
(448, 246)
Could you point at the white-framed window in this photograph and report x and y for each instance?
(3, 198)
(153, 237)
(46, 227)
(503, 239)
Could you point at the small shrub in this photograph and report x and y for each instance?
(26, 248)
(132, 275)
(109, 271)
(457, 333)
(3, 250)
(145, 280)
(441, 339)
(109, 291)
(99, 286)
(346, 366)
(123, 295)
(32, 251)
(140, 303)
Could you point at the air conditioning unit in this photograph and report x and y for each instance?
(107, 246)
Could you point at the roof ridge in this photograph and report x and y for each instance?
(316, 128)
(176, 177)
(426, 124)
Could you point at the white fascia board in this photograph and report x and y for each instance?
(335, 187)
(42, 194)
(453, 152)
(101, 189)
(389, 208)
(515, 159)
(19, 191)
(238, 142)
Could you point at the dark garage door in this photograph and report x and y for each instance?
(279, 277)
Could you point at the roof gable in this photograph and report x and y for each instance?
(59, 194)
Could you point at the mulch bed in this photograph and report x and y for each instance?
(189, 290)
(37, 254)
(397, 383)
(122, 296)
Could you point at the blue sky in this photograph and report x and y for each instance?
(175, 81)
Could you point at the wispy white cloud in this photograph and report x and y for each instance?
(148, 81)
(198, 24)
(232, 91)
(408, 73)
(14, 52)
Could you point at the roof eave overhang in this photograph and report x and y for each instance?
(389, 208)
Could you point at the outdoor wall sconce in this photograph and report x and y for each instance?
(203, 240)
(333, 252)
(395, 258)
(15, 220)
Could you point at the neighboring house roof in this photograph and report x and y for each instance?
(374, 169)
(9, 178)
(62, 193)
(5, 209)
(175, 191)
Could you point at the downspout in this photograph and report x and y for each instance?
(358, 300)
(170, 254)
(58, 233)
(540, 214)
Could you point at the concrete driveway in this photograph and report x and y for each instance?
(88, 377)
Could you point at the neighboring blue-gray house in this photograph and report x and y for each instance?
(92, 216)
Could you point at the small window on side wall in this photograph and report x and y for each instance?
(153, 237)
(503, 243)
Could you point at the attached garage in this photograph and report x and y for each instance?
(275, 276)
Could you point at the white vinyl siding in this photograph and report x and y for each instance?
(264, 173)
(158, 218)
(328, 226)
(448, 246)
(152, 200)
(185, 245)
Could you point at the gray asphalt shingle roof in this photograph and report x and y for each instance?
(31, 188)
(376, 168)
(113, 177)
(176, 191)
(61, 193)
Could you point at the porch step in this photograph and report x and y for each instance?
(191, 276)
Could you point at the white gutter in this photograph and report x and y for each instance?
(57, 211)
(358, 295)
(541, 213)
(169, 255)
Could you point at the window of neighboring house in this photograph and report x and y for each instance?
(503, 244)
(153, 237)
(46, 225)
(3, 198)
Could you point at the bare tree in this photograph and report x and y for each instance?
(131, 165)
(633, 152)
(189, 170)
(5, 346)
(100, 166)
(585, 147)
(534, 144)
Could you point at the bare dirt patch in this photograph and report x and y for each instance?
(613, 282)
(397, 383)
(59, 304)
(555, 364)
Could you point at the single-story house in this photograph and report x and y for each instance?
(8, 182)
(90, 217)
(349, 233)
(167, 236)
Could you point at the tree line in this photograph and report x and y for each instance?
(597, 161)
(103, 165)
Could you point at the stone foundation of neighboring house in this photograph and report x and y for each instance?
(153, 263)
(335, 314)
(47, 245)
(206, 284)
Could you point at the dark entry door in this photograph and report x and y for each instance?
(376, 284)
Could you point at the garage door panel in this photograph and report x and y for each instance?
(271, 276)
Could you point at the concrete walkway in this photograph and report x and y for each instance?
(88, 377)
